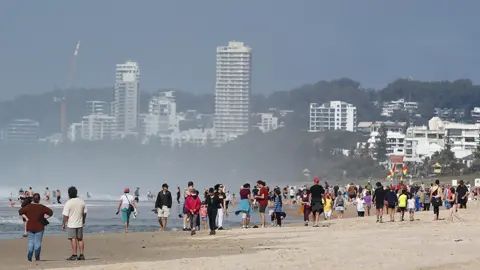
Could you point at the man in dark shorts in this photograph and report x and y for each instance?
(462, 194)
(379, 199)
(316, 203)
(262, 199)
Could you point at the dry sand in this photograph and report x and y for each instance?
(341, 244)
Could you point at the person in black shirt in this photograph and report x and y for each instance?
(163, 204)
(379, 198)
(178, 195)
(221, 206)
(213, 203)
(462, 194)
(316, 203)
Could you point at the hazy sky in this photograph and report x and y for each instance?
(294, 42)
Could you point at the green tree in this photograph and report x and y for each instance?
(381, 144)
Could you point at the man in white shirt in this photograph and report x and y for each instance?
(74, 215)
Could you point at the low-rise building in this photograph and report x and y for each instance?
(265, 122)
(395, 143)
(368, 127)
(21, 131)
(97, 127)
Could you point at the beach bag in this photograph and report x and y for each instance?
(130, 206)
(301, 210)
(436, 202)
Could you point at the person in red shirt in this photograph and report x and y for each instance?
(262, 199)
(192, 205)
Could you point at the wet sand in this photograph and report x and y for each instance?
(339, 244)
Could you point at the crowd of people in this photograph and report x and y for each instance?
(207, 212)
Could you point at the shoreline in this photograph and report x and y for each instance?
(351, 243)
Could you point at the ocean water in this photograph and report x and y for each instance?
(101, 219)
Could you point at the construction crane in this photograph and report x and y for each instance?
(63, 100)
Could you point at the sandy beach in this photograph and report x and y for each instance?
(339, 244)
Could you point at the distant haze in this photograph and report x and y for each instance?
(294, 42)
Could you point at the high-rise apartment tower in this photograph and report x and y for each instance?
(232, 90)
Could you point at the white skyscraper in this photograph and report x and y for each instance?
(232, 90)
(125, 105)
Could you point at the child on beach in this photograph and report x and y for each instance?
(368, 202)
(360, 203)
(277, 209)
(203, 215)
(402, 204)
(192, 205)
(411, 206)
(328, 206)
(339, 205)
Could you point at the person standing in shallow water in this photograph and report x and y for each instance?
(34, 215)
(178, 195)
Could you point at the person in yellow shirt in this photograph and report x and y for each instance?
(402, 203)
(327, 210)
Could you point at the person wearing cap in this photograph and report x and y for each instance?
(316, 200)
(126, 206)
(163, 204)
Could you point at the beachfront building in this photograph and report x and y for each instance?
(125, 105)
(232, 91)
(96, 127)
(265, 122)
(368, 127)
(193, 137)
(334, 115)
(395, 143)
(21, 131)
(423, 141)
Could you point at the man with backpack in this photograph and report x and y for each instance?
(316, 200)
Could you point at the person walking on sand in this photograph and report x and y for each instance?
(368, 202)
(360, 203)
(411, 206)
(328, 206)
(74, 217)
(453, 201)
(36, 215)
(186, 194)
(212, 202)
(305, 201)
(163, 204)
(392, 202)
(316, 200)
(127, 206)
(339, 206)
(462, 195)
(262, 199)
(379, 199)
(222, 206)
(193, 204)
(436, 199)
(402, 204)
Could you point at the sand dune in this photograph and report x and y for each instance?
(341, 244)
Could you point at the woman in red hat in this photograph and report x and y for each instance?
(127, 207)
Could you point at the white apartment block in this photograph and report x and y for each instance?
(335, 115)
(125, 106)
(162, 114)
(232, 90)
(266, 122)
(97, 127)
(395, 142)
(197, 137)
(96, 107)
(424, 141)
